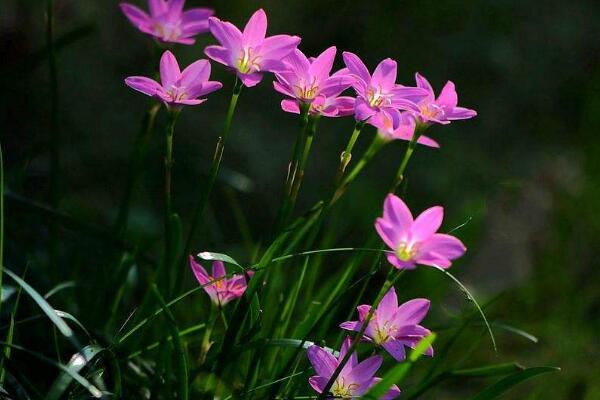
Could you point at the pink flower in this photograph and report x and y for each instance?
(404, 131)
(393, 327)
(443, 109)
(415, 241)
(309, 81)
(250, 53)
(177, 88)
(167, 21)
(379, 93)
(354, 380)
(220, 289)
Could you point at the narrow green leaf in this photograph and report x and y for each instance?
(488, 370)
(43, 304)
(58, 288)
(210, 256)
(9, 336)
(396, 374)
(505, 384)
(76, 364)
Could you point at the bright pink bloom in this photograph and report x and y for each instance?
(415, 241)
(220, 289)
(393, 327)
(167, 21)
(442, 110)
(309, 81)
(177, 88)
(250, 53)
(355, 378)
(379, 93)
(404, 131)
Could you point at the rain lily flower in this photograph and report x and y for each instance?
(167, 21)
(220, 289)
(379, 93)
(415, 241)
(250, 53)
(308, 81)
(177, 88)
(442, 110)
(393, 327)
(354, 380)
(404, 131)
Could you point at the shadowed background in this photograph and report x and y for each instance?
(524, 174)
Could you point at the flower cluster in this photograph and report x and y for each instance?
(310, 87)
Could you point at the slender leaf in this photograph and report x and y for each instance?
(506, 384)
(78, 361)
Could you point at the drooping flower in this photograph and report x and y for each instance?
(250, 53)
(177, 88)
(379, 93)
(220, 289)
(415, 241)
(309, 81)
(404, 131)
(354, 380)
(393, 327)
(167, 21)
(442, 110)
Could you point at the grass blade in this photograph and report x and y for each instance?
(76, 364)
(505, 384)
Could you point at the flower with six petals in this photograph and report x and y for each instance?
(167, 21)
(250, 53)
(393, 327)
(415, 241)
(177, 88)
(220, 288)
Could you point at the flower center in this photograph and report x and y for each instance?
(176, 93)
(430, 111)
(406, 251)
(376, 97)
(343, 390)
(307, 92)
(168, 31)
(247, 62)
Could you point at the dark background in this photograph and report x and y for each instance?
(525, 172)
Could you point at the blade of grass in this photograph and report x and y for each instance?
(506, 384)
(9, 336)
(78, 361)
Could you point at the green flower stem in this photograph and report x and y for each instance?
(346, 155)
(391, 279)
(170, 130)
(214, 170)
(407, 155)
(135, 168)
(312, 130)
(210, 326)
(377, 144)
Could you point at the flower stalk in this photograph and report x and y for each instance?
(346, 155)
(407, 155)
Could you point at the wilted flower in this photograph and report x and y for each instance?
(308, 81)
(354, 380)
(167, 21)
(250, 53)
(415, 241)
(177, 88)
(443, 109)
(220, 289)
(393, 327)
(404, 131)
(380, 93)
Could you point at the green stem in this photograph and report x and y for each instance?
(409, 151)
(389, 282)
(346, 155)
(135, 168)
(212, 319)
(169, 131)
(214, 170)
(376, 145)
(314, 121)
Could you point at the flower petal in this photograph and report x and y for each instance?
(427, 223)
(218, 269)
(412, 312)
(169, 69)
(135, 15)
(424, 84)
(396, 212)
(318, 383)
(290, 106)
(395, 348)
(388, 306)
(255, 29)
(448, 97)
(250, 80)
(321, 67)
(219, 54)
(385, 74)
(228, 35)
(364, 371)
(195, 21)
(157, 7)
(389, 233)
(199, 272)
(442, 245)
(356, 66)
(458, 113)
(323, 362)
(362, 110)
(195, 73)
(204, 88)
(277, 47)
(143, 84)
